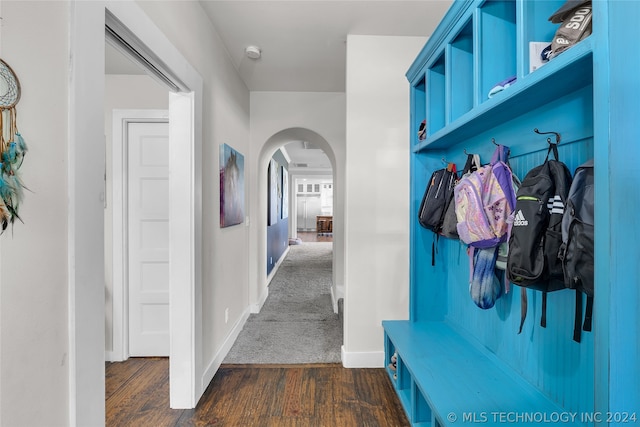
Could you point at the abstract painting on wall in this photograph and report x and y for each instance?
(231, 186)
(279, 186)
(273, 193)
(285, 193)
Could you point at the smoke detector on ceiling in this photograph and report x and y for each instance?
(252, 52)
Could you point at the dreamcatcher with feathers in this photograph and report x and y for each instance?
(12, 148)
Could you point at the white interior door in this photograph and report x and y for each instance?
(148, 238)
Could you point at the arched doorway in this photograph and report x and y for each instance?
(259, 291)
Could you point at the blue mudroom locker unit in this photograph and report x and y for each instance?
(454, 364)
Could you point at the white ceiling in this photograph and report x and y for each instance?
(303, 43)
(306, 156)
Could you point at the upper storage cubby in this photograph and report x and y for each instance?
(484, 44)
(537, 29)
(436, 96)
(461, 82)
(418, 108)
(496, 44)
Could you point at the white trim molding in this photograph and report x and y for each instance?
(85, 244)
(362, 359)
(211, 370)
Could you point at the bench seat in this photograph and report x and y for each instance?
(443, 379)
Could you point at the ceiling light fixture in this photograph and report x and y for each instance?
(252, 52)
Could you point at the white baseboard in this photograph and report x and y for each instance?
(362, 359)
(211, 370)
(255, 308)
(275, 268)
(111, 356)
(336, 294)
(334, 301)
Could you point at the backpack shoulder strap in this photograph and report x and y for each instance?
(500, 154)
(553, 148)
(523, 307)
(578, 326)
(472, 164)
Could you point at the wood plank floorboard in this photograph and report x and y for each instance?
(323, 395)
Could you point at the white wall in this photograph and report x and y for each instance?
(225, 277)
(122, 92)
(377, 192)
(38, 283)
(34, 355)
(322, 114)
(35, 292)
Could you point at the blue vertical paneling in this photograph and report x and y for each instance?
(427, 293)
(603, 211)
(617, 230)
(546, 357)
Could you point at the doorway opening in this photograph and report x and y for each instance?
(314, 208)
(85, 243)
(151, 309)
(307, 142)
(136, 209)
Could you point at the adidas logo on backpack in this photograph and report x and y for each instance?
(520, 220)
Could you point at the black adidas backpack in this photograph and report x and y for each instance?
(577, 248)
(536, 234)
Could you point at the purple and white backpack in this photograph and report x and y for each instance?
(485, 201)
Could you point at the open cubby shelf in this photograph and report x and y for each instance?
(459, 364)
(560, 77)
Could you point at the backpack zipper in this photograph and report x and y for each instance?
(438, 190)
(532, 199)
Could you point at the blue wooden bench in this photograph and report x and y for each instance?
(443, 379)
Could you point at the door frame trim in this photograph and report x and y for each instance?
(120, 254)
(85, 185)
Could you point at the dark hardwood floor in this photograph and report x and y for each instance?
(137, 394)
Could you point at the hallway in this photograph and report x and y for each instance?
(296, 323)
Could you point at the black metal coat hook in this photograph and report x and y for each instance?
(549, 139)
